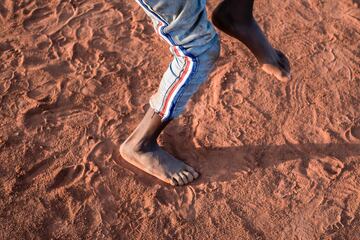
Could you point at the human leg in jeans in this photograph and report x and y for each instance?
(183, 24)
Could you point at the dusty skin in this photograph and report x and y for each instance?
(229, 18)
(142, 150)
(278, 161)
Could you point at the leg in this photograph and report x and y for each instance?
(195, 47)
(235, 17)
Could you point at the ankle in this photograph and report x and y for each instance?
(140, 145)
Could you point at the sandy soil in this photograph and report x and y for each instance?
(278, 161)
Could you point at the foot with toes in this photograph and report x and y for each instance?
(157, 162)
(141, 150)
(243, 27)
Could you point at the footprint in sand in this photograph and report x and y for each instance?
(84, 33)
(32, 117)
(37, 17)
(43, 92)
(187, 210)
(334, 227)
(11, 58)
(36, 170)
(326, 168)
(355, 132)
(65, 11)
(182, 201)
(25, 180)
(68, 176)
(48, 114)
(352, 134)
(342, 220)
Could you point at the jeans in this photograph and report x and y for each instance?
(195, 45)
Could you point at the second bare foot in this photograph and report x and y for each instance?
(272, 61)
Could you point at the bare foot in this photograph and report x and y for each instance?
(157, 162)
(272, 61)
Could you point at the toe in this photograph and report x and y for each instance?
(173, 182)
(189, 176)
(183, 177)
(192, 171)
(276, 71)
(179, 180)
(283, 77)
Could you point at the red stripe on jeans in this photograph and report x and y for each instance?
(187, 64)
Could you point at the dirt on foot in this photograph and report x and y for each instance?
(277, 160)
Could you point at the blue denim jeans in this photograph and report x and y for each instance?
(195, 45)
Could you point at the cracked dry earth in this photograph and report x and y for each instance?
(278, 160)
